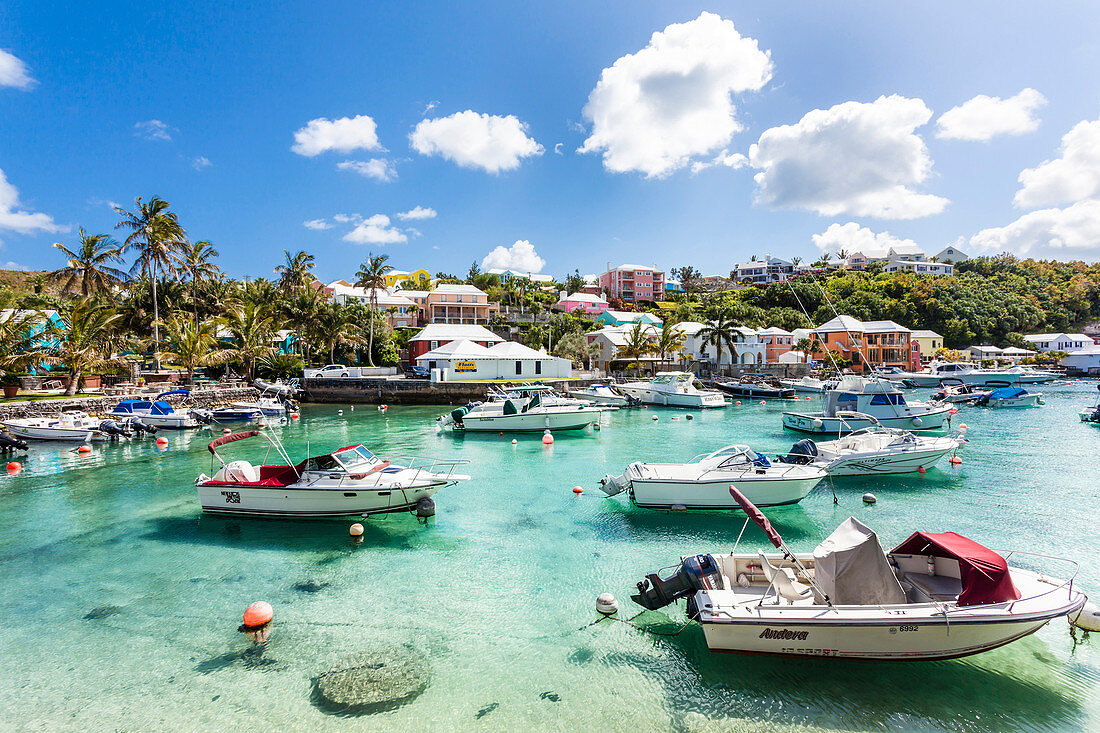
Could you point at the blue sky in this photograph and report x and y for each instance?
(200, 105)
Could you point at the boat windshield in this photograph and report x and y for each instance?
(357, 457)
(887, 399)
(322, 463)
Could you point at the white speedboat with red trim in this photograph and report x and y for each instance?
(859, 403)
(350, 481)
(873, 450)
(934, 596)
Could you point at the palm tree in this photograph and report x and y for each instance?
(193, 344)
(372, 274)
(21, 337)
(636, 346)
(197, 262)
(158, 236)
(86, 338)
(722, 331)
(296, 272)
(250, 329)
(670, 340)
(337, 327)
(90, 265)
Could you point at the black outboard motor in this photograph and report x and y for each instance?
(698, 572)
(290, 406)
(10, 442)
(142, 427)
(112, 428)
(802, 453)
(982, 401)
(202, 416)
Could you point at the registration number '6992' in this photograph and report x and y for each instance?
(908, 627)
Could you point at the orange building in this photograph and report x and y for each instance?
(879, 343)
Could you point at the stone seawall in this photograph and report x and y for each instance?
(95, 404)
(406, 391)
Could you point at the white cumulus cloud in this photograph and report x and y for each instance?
(317, 224)
(379, 169)
(13, 72)
(152, 130)
(200, 162)
(854, 238)
(375, 230)
(16, 220)
(520, 256)
(1073, 176)
(655, 110)
(1069, 233)
(985, 117)
(9, 265)
(724, 158)
(417, 212)
(859, 159)
(343, 135)
(490, 142)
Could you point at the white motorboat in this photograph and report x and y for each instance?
(269, 405)
(1010, 397)
(704, 481)
(523, 410)
(959, 394)
(860, 403)
(673, 389)
(1030, 375)
(873, 450)
(70, 426)
(1090, 414)
(809, 384)
(160, 414)
(350, 481)
(939, 372)
(754, 386)
(934, 596)
(602, 394)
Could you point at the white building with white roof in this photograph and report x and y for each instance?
(434, 335)
(340, 292)
(1059, 341)
(468, 361)
(506, 275)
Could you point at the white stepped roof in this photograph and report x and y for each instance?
(460, 349)
(455, 331)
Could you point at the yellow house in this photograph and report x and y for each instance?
(930, 342)
(421, 276)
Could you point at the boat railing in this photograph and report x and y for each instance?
(435, 466)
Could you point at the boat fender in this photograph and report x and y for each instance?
(917, 422)
(606, 604)
(817, 422)
(743, 580)
(690, 417)
(1087, 618)
(425, 508)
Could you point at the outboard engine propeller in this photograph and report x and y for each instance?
(698, 572)
(112, 428)
(201, 415)
(142, 427)
(10, 443)
(290, 406)
(982, 401)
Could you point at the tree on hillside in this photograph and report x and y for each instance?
(90, 266)
(372, 275)
(721, 333)
(574, 283)
(158, 237)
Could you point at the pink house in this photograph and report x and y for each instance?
(633, 282)
(592, 305)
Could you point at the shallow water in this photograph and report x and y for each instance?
(120, 601)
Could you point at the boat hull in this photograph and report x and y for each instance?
(1031, 400)
(870, 464)
(608, 400)
(346, 501)
(527, 422)
(65, 435)
(895, 639)
(664, 494)
(806, 422)
(177, 421)
(755, 390)
(650, 396)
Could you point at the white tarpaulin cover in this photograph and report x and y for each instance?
(850, 566)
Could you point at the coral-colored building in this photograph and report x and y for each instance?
(880, 343)
(633, 282)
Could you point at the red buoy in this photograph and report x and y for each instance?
(578, 490)
(227, 431)
(955, 460)
(738, 402)
(84, 449)
(547, 439)
(920, 469)
(162, 440)
(14, 468)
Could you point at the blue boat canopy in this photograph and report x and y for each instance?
(127, 407)
(1005, 393)
(169, 393)
(161, 407)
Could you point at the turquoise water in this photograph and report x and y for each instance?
(498, 589)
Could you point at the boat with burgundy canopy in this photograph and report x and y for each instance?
(934, 596)
(350, 481)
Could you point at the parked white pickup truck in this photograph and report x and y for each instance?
(332, 371)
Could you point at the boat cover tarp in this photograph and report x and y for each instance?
(161, 407)
(1007, 393)
(215, 444)
(128, 407)
(984, 573)
(171, 392)
(851, 568)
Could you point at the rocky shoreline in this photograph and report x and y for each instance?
(98, 404)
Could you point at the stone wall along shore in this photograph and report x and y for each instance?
(100, 404)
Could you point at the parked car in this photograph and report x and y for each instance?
(418, 372)
(331, 371)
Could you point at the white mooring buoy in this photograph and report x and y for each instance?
(869, 499)
(1088, 618)
(606, 604)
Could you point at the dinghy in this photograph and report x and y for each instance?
(934, 596)
(1010, 397)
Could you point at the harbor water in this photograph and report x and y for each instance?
(120, 600)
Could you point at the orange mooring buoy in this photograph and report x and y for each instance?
(84, 449)
(258, 614)
(955, 460)
(578, 490)
(14, 468)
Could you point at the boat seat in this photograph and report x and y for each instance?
(782, 579)
(936, 587)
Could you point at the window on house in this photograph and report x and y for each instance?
(434, 345)
(538, 367)
(519, 367)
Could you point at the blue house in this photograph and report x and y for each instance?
(620, 318)
(47, 321)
